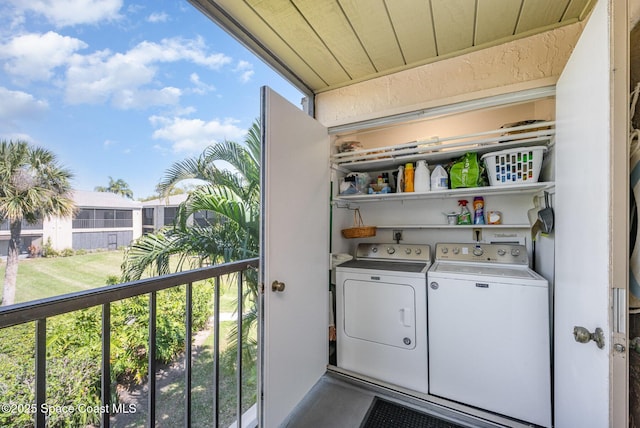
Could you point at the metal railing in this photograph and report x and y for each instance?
(101, 223)
(4, 225)
(41, 310)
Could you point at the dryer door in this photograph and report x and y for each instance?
(380, 312)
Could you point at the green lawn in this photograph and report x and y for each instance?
(45, 277)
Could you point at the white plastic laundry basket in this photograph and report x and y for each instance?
(514, 166)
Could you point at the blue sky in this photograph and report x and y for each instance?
(124, 88)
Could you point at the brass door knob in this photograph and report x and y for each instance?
(582, 335)
(277, 286)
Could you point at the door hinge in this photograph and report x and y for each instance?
(619, 310)
(262, 288)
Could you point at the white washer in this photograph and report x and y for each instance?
(489, 339)
(381, 319)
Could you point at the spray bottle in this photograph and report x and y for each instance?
(465, 215)
(400, 180)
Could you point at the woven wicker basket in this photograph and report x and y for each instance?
(358, 230)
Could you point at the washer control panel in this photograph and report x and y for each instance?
(394, 252)
(487, 253)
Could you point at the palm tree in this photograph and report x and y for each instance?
(32, 186)
(233, 195)
(119, 187)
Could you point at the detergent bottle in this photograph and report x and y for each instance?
(408, 177)
(422, 182)
(439, 178)
(478, 210)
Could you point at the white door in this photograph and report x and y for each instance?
(294, 250)
(591, 221)
(381, 313)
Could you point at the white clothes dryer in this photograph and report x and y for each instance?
(381, 319)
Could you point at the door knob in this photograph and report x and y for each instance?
(277, 286)
(582, 335)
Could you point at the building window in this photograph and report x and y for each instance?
(169, 215)
(147, 216)
(89, 218)
(204, 218)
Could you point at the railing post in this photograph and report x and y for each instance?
(106, 364)
(152, 359)
(187, 354)
(216, 352)
(41, 371)
(240, 344)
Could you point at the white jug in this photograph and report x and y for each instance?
(422, 177)
(439, 178)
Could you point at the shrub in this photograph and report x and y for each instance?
(17, 380)
(67, 252)
(74, 352)
(47, 249)
(112, 280)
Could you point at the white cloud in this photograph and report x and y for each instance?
(158, 17)
(194, 135)
(245, 69)
(35, 56)
(63, 13)
(17, 105)
(177, 49)
(200, 87)
(123, 77)
(19, 137)
(138, 99)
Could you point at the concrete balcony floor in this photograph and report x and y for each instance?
(342, 401)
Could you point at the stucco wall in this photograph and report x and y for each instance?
(59, 230)
(526, 63)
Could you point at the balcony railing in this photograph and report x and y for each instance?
(40, 311)
(101, 223)
(4, 225)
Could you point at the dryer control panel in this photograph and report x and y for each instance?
(486, 253)
(394, 252)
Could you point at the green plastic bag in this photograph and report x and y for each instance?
(467, 171)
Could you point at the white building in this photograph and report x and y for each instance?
(102, 221)
(160, 212)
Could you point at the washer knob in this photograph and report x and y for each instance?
(418, 251)
(456, 250)
(391, 250)
(515, 252)
(501, 252)
(478, 251)
(445, 250)
(374, 249)
(408, 250)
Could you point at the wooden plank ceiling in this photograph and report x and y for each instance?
(325, 44)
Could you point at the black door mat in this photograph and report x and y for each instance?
(385, 414)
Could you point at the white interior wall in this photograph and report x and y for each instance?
(451, 125)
